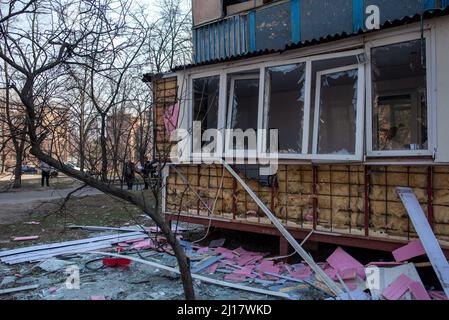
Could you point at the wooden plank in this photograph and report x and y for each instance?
(308, 258)
(60, 244)
(18, 289)
(426, 235)
(199, 277)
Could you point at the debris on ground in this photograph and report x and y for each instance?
(28, 238)
(130, 259)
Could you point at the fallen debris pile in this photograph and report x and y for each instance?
(251, 272)
(42, 252)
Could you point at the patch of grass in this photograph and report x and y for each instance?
(99, 210)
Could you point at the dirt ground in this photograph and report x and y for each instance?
(32, 182)
(98, 210)
(136, 282)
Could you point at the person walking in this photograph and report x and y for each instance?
(129, 174)
(148, 172)
(46, 169)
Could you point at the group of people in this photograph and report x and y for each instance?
(147, 171)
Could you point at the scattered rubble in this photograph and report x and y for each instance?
(134, 265)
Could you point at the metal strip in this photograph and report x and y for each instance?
(65, 244)
(426, 235)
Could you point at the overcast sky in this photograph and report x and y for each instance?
(153, 4)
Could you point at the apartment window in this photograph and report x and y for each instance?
(243, 107)
(399, 98)
(205, 102)
(284, 105)
(336, 111)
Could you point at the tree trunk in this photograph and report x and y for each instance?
(18, 169)
(137, 200)
(104, 151)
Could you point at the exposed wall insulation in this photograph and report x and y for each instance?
(329, 198)
(165, 95)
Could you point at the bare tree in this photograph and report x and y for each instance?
(13, 123)
(102, 36)
(171, 38)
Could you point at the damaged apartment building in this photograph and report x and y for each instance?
(359, 93)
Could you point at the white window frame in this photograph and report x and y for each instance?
(305, 155)
(248, 154)
(306, 113)
(358, 155)
(194, 156)
(430, 82)
(261, 67)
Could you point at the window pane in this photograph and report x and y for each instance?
(338, 113)
(205, 102)
(244, 99)
(399, 97)
(285, 93)
(322, 65)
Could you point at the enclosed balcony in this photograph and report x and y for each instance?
(225, 28)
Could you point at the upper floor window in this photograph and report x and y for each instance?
(285, 91)
(317, 104)
(243, 110)
(399, 100)
(205, 102)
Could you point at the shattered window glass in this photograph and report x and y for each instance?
(319, 66)
(338, 113)
(399, 97)
(205, 102)
(243, 96)
(284, 96)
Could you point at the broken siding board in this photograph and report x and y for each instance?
(18, 289)
(427, 237)
(199, 277)
(418, 291)
(64, 244)
(398, 288)
(47, 253)
(413, 249)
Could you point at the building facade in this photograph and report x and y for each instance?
(358, 93)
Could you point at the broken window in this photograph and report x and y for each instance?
(284, 103)
(243, 99)
(399, 94)
(205, 102)
(336, 111)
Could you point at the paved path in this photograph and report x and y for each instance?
(49, 194)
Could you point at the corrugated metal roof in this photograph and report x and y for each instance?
(429, 14)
